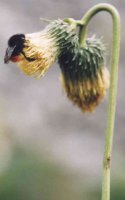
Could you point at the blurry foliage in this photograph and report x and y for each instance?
(118, 190)
(28, 177)
(33, 178)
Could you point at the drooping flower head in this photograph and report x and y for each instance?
(84, 76)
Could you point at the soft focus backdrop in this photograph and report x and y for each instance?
(49, 149)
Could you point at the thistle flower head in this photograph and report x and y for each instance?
(84, 76)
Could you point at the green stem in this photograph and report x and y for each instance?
(113, 87)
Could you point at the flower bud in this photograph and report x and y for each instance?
(84, 76)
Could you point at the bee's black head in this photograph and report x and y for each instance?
(15, 46)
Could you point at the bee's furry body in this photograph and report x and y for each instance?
(42, 50)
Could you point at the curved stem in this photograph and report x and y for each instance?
(113, 86)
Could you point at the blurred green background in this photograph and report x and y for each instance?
(49, 149)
